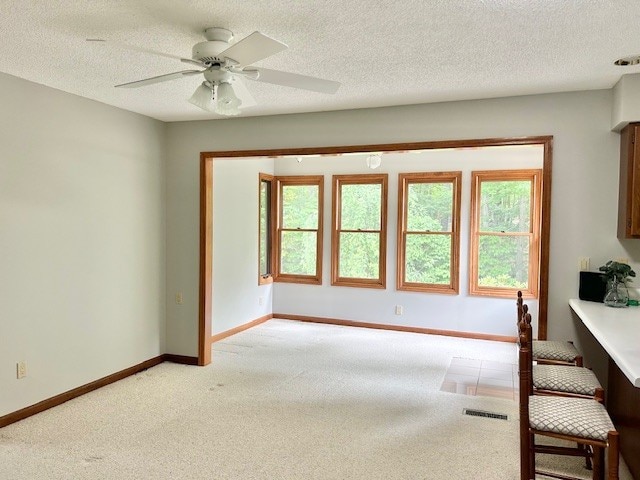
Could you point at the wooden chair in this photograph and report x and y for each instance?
(550, 352)
(562, 380)
(580, 420)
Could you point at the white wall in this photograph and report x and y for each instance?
(626, 101)
(584, 190)
(425, 310)
(236, 293)
(82, 251)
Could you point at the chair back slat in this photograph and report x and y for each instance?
(526, 389)
(519, 307)
(526, 318)
(525, 357)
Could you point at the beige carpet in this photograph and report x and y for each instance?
(284, 400)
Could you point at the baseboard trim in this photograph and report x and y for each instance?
(76, 392)
(220, 336)
(399, 328)
(187, 360)
(183, 359)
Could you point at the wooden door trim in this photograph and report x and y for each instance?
(206, 260)
(206, 211)
(545, 238)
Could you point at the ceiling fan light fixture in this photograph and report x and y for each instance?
(203, 97)
(374, 160)
(228, 103)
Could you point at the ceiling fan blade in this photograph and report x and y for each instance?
(242, 92)
(193, 62)
(134, 48)
(159, 78)
(126, 46)
(253, 48)
(295, 80)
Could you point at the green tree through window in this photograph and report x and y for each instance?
(300, 229)
(428, 231)
(359, 230)
(265, 252)
(505, 232)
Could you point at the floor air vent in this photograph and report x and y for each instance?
(481, 413)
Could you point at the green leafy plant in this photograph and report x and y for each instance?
(621, 271)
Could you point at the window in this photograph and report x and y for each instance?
(299, 230)
(428, 232)
(359, 233)
(265, 240)
(505, 232)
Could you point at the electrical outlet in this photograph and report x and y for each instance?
(260, 300)
(398, 309)
(583, 263)
(179, 298)
(21, 370)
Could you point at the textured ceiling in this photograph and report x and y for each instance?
(383, 52)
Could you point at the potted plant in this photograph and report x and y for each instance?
(616, 274)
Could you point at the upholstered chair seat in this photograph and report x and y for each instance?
(565, 379)
(554, 350)
(575, 417)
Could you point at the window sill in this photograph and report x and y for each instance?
(298, 279)
(422, 288)
(502, 293)
(358, 283)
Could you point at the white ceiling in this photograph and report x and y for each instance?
(383, 52)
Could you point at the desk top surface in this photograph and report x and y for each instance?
(617, 330)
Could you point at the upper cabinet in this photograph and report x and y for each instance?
(629, 192)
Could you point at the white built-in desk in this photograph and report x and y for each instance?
(617, 330)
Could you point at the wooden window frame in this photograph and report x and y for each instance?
(536, 177)
(362, 179)
(264, 279)
(299, 180)
(404, 180)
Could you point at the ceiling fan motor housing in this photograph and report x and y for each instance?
(207, 52)
(217, 41)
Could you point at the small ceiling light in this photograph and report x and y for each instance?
(203, 97)
(228, 103)
(374, 160)
(299, 159)
(628, 61)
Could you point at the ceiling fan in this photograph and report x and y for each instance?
(224, 67)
